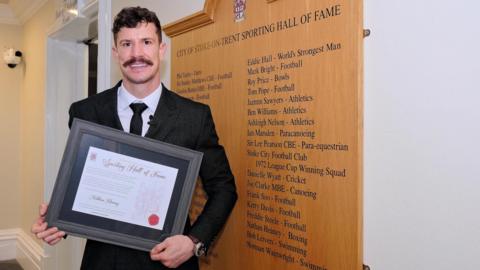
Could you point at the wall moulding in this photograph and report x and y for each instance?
(196, 20)
(16, 244)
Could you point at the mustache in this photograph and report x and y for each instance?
(137, 60)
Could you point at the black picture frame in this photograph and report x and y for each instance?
(83, 135)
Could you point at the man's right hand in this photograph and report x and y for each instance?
(50, 236)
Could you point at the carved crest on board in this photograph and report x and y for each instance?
(239, 7)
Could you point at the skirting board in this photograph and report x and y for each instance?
(16, 244)
(8, 241)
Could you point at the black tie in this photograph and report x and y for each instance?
(137, 123)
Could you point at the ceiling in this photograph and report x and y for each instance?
(17, 12)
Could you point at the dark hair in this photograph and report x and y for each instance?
(130, 17)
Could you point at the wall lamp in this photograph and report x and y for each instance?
(12, 58)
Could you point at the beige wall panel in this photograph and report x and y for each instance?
(10, 88)
(285, 88)
(32, 116)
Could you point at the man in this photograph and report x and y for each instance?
(138, 50)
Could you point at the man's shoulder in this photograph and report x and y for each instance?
(97, 99)
(184, 102)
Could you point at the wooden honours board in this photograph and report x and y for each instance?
(284, 82)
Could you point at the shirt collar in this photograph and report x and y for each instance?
(125, 98)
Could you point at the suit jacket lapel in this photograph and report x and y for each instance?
(166, 114)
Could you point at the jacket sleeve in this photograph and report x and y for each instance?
(218, 182)
(72, 115)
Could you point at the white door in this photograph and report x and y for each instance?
(67, 82)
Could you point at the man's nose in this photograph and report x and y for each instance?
(137, 49)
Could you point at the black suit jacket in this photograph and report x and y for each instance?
(182, 122)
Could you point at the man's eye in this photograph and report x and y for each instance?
(126, 44)
(148, 42)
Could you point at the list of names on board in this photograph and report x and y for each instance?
(285, 98)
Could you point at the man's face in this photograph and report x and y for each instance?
(138, 52)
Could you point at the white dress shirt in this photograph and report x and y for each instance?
(125, 113)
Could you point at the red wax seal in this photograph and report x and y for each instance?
(153, 219)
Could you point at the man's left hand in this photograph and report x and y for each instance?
(173, 251)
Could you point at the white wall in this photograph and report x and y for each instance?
(422, 126)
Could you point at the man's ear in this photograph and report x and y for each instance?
(115, 52)
(162, 49)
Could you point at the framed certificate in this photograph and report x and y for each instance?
(122, 189)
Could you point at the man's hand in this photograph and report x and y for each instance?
(39, 228)
(173, 251)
